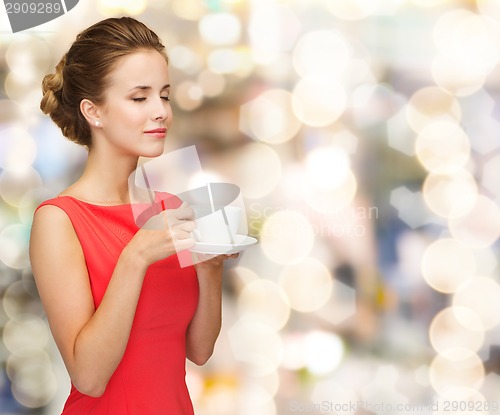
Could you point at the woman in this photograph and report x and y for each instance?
(123, 313)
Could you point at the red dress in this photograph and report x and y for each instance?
(150, 379)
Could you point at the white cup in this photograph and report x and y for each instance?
(211, 226)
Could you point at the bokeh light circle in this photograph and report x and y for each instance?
(476, 42)
(257, 169)
(18, 301)
(19, 90)
(446, 25)
(352, 9)
(188, 95)
(443, 147)
(330, 200)
(243, 275)
(450, 195)
(480, 226)
(186, 59)
(293, 351)
(468, 38)
(446, 264)
(321, 53)
(265, 302)
(17, 149)
(318, 102)
(269, 117)
(9, 112)
(30, 201)
(430, 103)
(447, 332)
(256, 400)
(468, 41)
(286, 237)
(308, 284)
(230, 61)
(489, 8)
(457, 368)
(14, 246)
(480, 295)
(189, 9)
(272, 29)
(212, 84)
(22, 336)
(328, 167)
(221, 397)
(257, 345)
(14, 184)
(220, 28)
(33, 382)
(269, 383)
(450, 74)
(28, 58)
(323, 352)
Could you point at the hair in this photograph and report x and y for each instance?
(84, 71)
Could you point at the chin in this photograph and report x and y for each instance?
(150, 152)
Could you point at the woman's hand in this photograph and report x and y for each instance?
(164, 234)
(211, 262)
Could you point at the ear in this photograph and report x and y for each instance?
(90, 111)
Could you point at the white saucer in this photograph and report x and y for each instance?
(241, 242)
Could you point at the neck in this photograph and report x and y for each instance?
(105, 179)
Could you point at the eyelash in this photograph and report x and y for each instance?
(144, 99)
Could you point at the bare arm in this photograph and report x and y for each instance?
(92, 342)
(205, 326)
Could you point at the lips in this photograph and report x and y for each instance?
(157, 132)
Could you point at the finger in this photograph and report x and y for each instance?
(182, 234)
(174, 217)
(178, 234)
(184, 212)
(169, 218)
(182, 229)
(204, 257)
(186, 225)
(182, 244)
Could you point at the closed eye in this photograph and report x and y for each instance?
(144, 99)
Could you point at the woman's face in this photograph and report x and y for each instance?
(136, 113)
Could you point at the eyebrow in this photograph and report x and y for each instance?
(146, 87)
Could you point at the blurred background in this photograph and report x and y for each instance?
(364, 135)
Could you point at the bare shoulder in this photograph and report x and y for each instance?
(50, 224)
(54, 245)
(53, 241)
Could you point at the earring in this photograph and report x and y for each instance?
(97, 123)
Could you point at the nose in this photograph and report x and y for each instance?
(160, 111)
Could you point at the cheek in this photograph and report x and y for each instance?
(132, 115)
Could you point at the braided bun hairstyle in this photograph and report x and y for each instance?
(84, 71)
